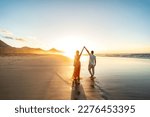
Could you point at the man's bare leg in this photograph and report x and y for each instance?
(90, 72)
(93, 71)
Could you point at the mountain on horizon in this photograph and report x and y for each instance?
(54, 50)
(3, 45)
(7, 49)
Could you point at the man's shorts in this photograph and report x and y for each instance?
(91, 66)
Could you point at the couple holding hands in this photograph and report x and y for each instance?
(77, 64)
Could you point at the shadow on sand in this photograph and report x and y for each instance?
(77, 92)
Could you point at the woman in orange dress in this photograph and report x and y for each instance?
(77, 65)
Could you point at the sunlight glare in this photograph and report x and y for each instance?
(70, 45)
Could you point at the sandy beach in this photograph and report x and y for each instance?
(49, 77)
(41, 77)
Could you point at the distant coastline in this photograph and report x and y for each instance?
(128, 55)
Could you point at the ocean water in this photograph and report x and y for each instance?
(119, 78)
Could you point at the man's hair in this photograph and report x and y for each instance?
(92, 52)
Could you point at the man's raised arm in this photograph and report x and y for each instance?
(87, 50)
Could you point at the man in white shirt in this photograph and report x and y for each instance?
(92, 62)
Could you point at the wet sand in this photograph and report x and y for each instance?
(45, 77)
(120, 78)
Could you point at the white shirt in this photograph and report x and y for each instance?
(92, 59)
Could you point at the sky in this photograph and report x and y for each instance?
(68, 25)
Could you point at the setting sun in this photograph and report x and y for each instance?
(70, 44)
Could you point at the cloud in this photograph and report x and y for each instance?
(20, 39)
(9, 35)
(5, 32)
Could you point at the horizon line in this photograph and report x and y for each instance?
(96, 52)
